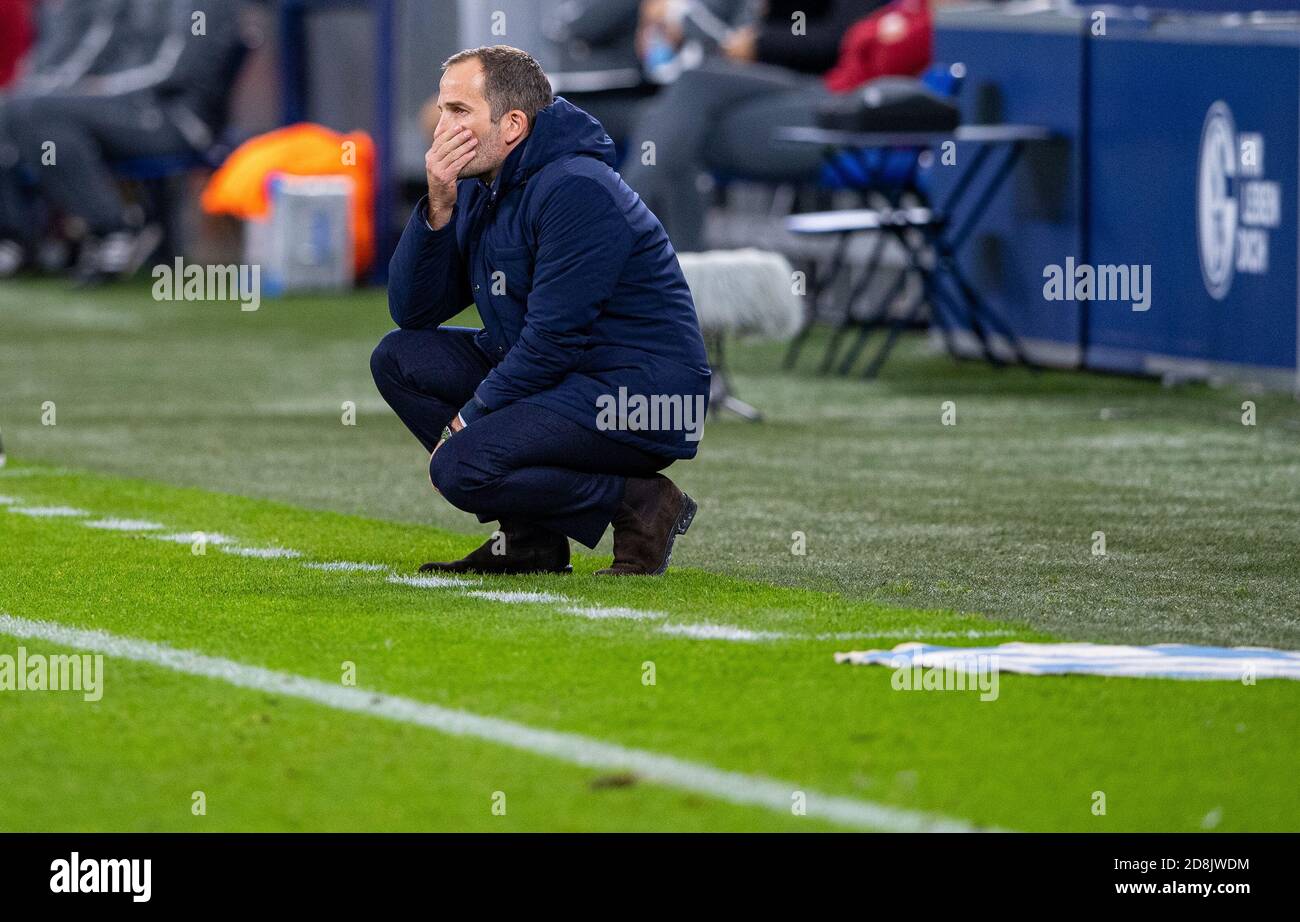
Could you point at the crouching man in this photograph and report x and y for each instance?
(589, 375)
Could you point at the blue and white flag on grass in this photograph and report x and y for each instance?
(1161, 661)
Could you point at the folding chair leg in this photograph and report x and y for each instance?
(796, 344)
(895, 330)
(823, 281)
(867, 327)
(886, 301)
(833, 346)
(992, 316)
(968, 303)
(744, 410)
(832, 349)
(891, 338)
(805, 329)
(942, 312)
(858, 293)
(720, 394)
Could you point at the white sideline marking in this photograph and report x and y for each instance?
(516, 598)
(733, 633)
(733, 787)
(720, 632)
(597, 612)
(264, 553)
(49, 512)
(188, 537)
(433, 582)
(348, 565)
(124, 525)
(919, 633)
(88, 316)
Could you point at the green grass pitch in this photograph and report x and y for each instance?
(198, 417)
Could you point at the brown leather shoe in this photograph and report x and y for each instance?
(526, 550)
(653, 513)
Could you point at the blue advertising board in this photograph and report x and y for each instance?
(1194, 149)
(1184, 153)
(1024, 70)
(1209, 6)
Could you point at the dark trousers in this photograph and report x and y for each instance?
(17, 217)
(722, 116)
(86, 133)
(522, 464)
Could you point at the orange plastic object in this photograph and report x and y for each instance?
(239, 187)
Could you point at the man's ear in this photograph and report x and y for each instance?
(516, 126)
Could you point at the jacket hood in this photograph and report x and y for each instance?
(559, 130)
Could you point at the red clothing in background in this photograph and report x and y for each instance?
(15, 36)
(894, 41)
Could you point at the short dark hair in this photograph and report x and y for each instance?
(512, 79)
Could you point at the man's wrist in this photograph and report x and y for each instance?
(471, 411)
(451, 428)
(437, 218)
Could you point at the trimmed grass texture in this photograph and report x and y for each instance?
(914, 529)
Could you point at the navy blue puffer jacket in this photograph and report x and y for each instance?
(578, 287)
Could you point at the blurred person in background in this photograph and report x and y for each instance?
(113, 80)
(773, 74)
(596, 66)
(70, 45)
(610, 60)
(599, 58)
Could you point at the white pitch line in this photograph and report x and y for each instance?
(124, 525)
(34, 472)
(49, 512)
(733, 787)
(433, 582)
(263, 553)
(735, 634)
(910, 634)
(347, 565)
(8, 500)
(189, 537)
(515, 598)
(598, 612)
(720, 632)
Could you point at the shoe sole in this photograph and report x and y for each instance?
(481, 572)
(684, 520)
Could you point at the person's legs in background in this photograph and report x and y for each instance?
(679, 122)
(17, 222)
(67, 143)
(744, 140)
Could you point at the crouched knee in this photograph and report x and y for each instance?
(383, 361)
(455, 474)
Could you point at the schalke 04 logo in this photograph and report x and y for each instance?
(1235, 205)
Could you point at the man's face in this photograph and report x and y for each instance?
(462, 104)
